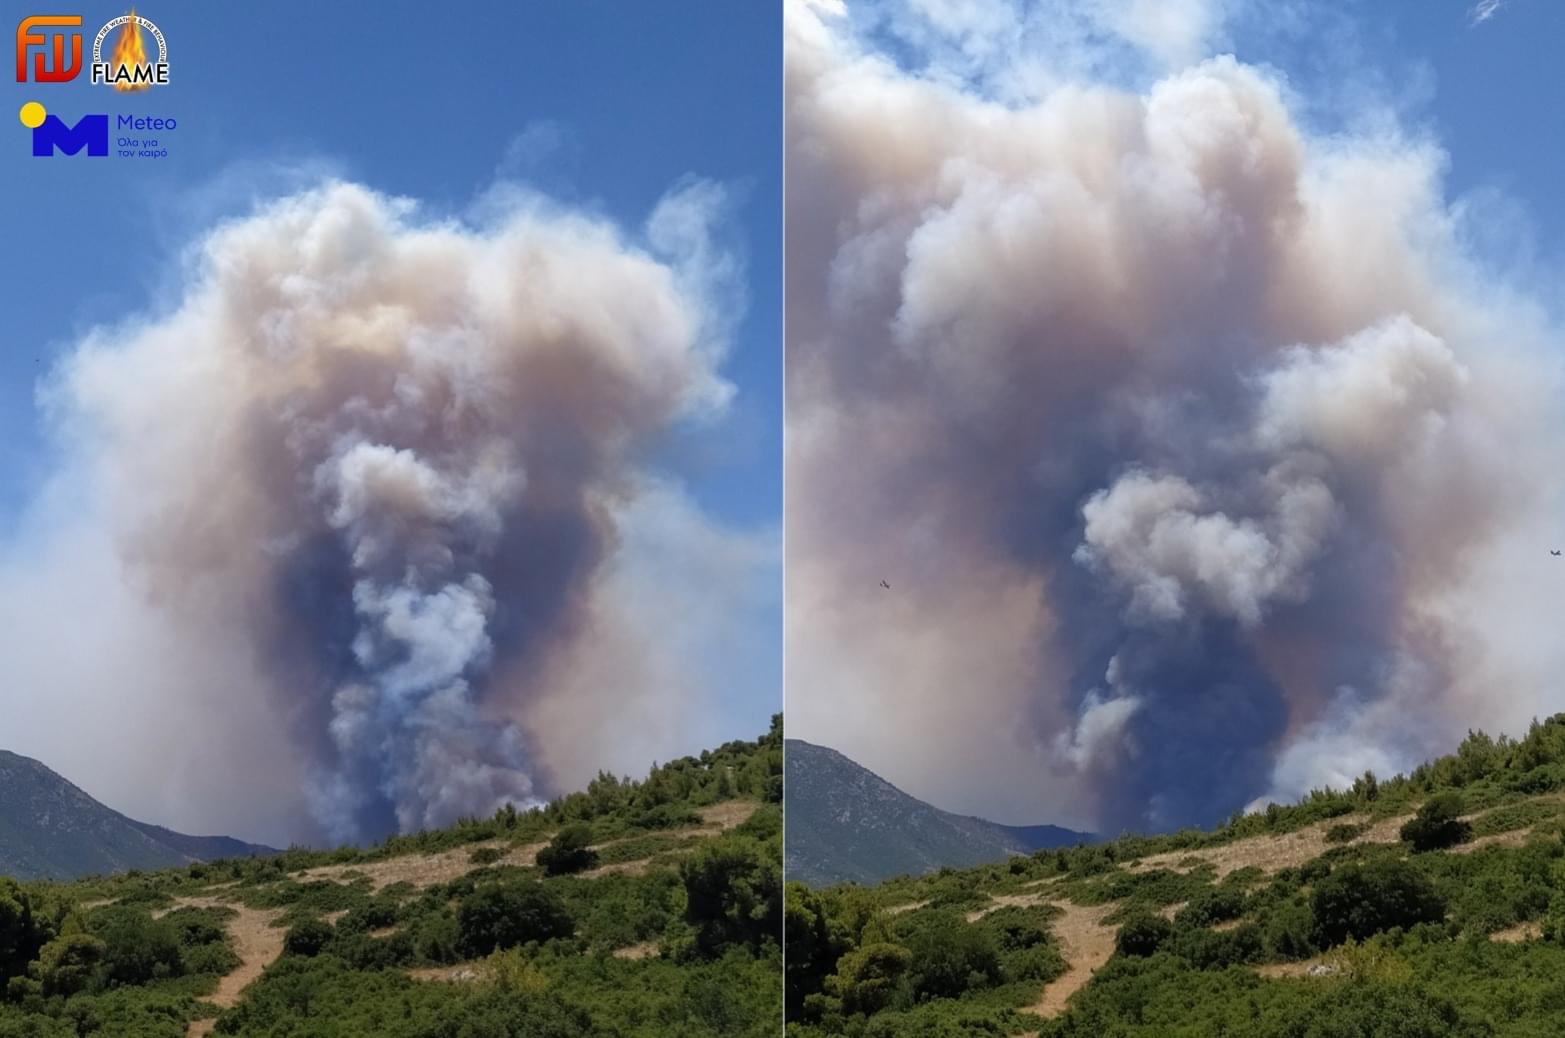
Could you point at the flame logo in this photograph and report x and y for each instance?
(129, 52)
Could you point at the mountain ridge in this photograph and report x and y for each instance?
(50, 828)
(846, 823)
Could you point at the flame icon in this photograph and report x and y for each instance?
(129, 53)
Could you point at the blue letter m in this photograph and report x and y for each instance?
(90, 130)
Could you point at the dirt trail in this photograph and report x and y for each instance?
(1518, 933)
(727, 814)
(911, 906)
(1086, 943)
(999, 901)
(644, 950)
(1316, 967)
(1511, 838)
(421, 870)
(257, 942)
(1271, 853)
(466, 973)
(427, 870)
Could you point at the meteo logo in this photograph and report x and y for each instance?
(51, 133)
(90, 133)
(46, 39)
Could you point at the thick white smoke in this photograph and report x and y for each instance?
(1203, 460)
(368, 483)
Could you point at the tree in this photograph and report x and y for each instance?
(21, 932)
(1360, 901)
(568, 852)
(869, 978)
(506, 914)
(733, 893)
(67, 964)
(1437, 824)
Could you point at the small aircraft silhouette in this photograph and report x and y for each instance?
(1554, 551)
(888, 586)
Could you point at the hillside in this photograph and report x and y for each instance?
(845, 823)
(637, 909)
(1423, 906)
(49, 828)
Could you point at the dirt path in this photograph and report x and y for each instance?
(427, 870)
(466, 973)
(644, 950)
(1271, 853)
(1518, 933)
(999, 901)
(1086, 943)
(728, 814)
(257, 942)
(420, 870)
(911, 906)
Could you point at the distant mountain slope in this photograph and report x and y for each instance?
(51, 829)
(844, 822)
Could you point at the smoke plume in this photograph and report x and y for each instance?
(1205, 462)
(358, 513)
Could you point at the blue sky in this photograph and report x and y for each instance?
(1487, 91)
(600, 104)
(605, 106)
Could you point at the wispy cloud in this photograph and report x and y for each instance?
(1484, 10)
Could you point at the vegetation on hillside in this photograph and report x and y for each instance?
(649, 921)
(1420, 906)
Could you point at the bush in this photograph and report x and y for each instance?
(486, 856)
(1289, 931)
(1143, 935)
(68, 964)
(308, 937)
(1437, 824)
(568, 852)
(1360, 901)
(951, 956)
(138, 948)
(868, 978)
(503, 915)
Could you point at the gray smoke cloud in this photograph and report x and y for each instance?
(363, 533)
(1206, 463)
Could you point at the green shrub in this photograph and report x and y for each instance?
(1437, 824)
(568, 852)
(1142, 935)
(1345, 832)
(308, 937)
(505, 914)
(1360, 901)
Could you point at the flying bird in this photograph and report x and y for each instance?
(888, 586)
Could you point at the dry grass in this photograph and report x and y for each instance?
(999, 901)
(1518, 933)
(465, 973)
(911, 906)
(1270, 853)
(644, 950)
(421, 870)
